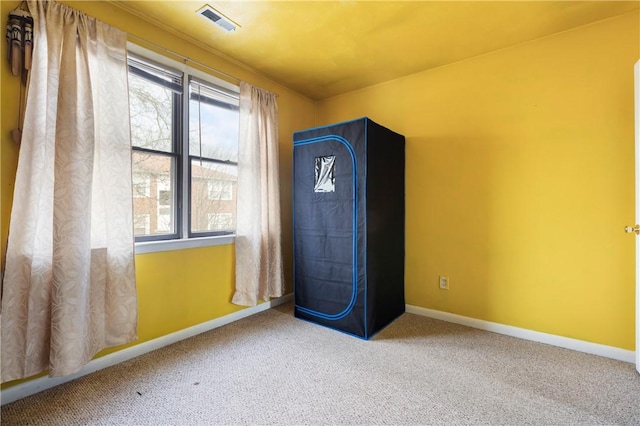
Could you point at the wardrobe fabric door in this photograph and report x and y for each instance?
(348, 220)
(325, 237)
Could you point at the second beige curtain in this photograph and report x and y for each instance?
(258, 230)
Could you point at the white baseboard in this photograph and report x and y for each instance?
(34, 386)
(522, 333)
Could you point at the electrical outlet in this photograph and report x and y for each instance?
(444, 282)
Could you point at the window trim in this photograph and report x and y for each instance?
(144, 247)
(183, 239)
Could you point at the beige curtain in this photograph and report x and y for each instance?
(258, 229)
(69, 285)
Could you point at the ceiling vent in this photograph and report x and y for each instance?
(217, 18)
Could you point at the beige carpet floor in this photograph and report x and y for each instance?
(274, 369)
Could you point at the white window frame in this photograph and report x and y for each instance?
(137, 179)
(146, 218)
(185, 242)
(162, 185)
(213, 217)
(225, 191)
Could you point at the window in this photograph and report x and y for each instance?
(325, 180)
(184, 130)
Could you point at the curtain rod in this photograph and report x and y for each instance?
(184, 58)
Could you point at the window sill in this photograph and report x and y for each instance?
(186, 243)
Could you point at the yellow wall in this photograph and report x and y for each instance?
(520, 180)
(176, 289)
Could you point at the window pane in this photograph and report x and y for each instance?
(213, 196)
(325, 178)
(154, 200)
(151, 112)
(213, 124)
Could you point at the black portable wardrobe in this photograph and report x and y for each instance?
(348, 215)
